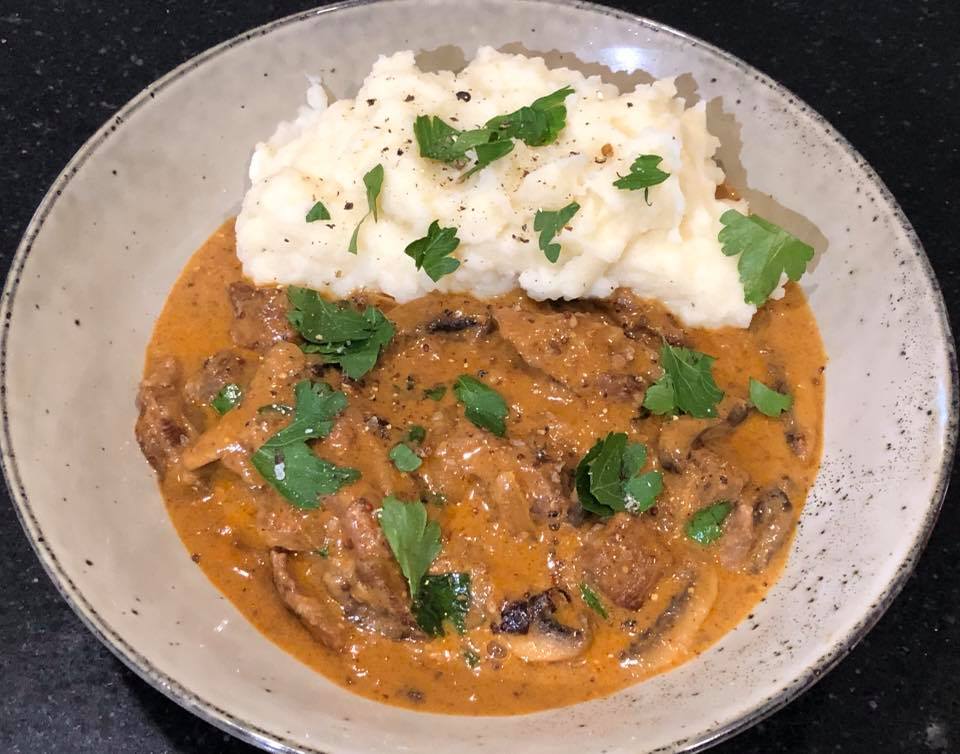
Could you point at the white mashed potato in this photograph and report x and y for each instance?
(667, 249)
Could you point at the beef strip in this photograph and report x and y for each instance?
(584, 353)
(163, 429)
(223, 368)
(643, 319)
(706, 478)
(319, 613)
(626, 559)
(756, 529)
(432, 315)
(259, 316)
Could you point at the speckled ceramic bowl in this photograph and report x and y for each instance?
(146, 190)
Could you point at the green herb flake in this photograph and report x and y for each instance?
(766, 251)
(686, 386)
(435, 498)
(608, 478)
(435, 393)
(322, 552)
(483, 405)
(317, 212)
(432, 252)
(339, 333)
(536, 125)
(416, 434)
(275, 408)
(228, 397)
(288, 463)
(549, 223)
(471, 658)
(299, 475)
(404, 458)
(706, 525)
(592, 600)
(373, 182)
(413, 538)
(643, 174)
(442, 597)
(768, 401)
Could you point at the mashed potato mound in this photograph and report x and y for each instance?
(666, 249)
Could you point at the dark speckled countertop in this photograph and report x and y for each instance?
(884, 73)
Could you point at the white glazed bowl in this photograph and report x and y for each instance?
(112, 234)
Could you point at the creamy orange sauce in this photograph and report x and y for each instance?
(511, 555)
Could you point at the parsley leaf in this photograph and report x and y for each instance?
(435, 393)
(607, 478)
(766, 252)
(706, 525)
(537, 124)
(430, 252)
(339, 333)
(404, 458)
(287, 462)
(413, 538)
(549, 223)
(483, 405)
(299, 475)
(643, 174)
(317, 212)
(686, 385)
(442, 597)
(593, 601)
(767, 401)
(373, 181)
(228, 397)
(416, 433)
(317, 406)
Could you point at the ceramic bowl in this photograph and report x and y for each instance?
(113, 232)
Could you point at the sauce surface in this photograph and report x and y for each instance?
(570, 373)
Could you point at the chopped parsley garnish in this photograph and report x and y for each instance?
(435, 498)
(768, 401)
(435, 393)
(471, 658)
(373, 181)
(483, 405)
(643, 174)
(317, 212)
(766, 252)
(706, 525)
(444, 596)
(404, 458)
(289, 464)
(338, 332)
(549, 223)
(416, 433)
(228, 397)
(431, 253)
(413, 538)
(592, 600)
(686, 386)
(275, 408)
(535, 125)
(607, 479)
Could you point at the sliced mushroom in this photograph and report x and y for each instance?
(530, 631)
(680, 436)
(756, 529)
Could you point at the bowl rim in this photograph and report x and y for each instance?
(271, 741)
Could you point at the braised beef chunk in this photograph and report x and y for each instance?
(453, 321)
(584, 353)
(320, 614)
(681, 435)
(643, 319)
(756, 529)
(259, 316)
(163, 429)
(223, 368)
(626, 558)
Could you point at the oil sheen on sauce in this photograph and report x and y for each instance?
(217, 527)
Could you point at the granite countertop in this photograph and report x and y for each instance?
(885, 74)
